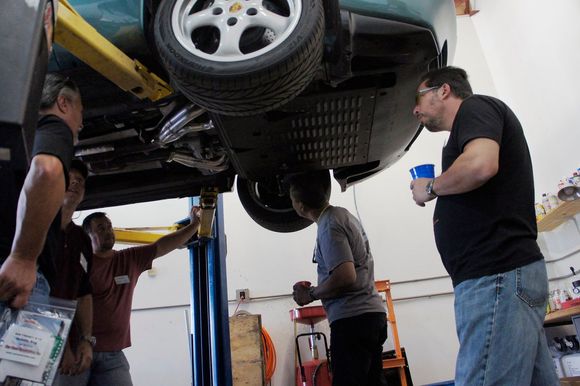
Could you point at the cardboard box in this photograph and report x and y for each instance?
(570, 381)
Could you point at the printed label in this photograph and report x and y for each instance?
(25, 345)
(122, 279)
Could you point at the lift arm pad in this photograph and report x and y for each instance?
(82, 40)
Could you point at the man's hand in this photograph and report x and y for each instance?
(75, 364)
(301, 294)
(67, 364)
(17, 278)
(419, 193)
(84, 356)
(195, 215)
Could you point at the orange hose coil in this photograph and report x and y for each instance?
(269, 354)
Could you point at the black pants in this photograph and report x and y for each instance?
(356, 345)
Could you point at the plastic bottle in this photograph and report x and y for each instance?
(540, 211)
(546, 203)
(554, 202)
(575, 179)
(562, 183)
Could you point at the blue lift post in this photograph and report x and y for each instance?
(210, 332)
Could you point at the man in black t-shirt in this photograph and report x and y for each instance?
(73, 264)
(485, 231)
(29, 205)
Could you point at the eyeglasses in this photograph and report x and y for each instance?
(423, 91)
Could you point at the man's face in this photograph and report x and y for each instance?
(76, 116)
(102, 234)
(76, 190)
(429, 107)
(71, 107)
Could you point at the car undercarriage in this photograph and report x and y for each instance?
(348, 108)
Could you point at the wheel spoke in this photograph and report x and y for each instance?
(230, 40)
(271, 20)
(199, 19)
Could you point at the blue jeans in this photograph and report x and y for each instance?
(499, 322)
(107, 369)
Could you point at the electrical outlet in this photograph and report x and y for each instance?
(243, 295)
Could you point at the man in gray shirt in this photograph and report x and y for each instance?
(346, 284)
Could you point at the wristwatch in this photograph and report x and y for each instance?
(91, 339)
(429, 188)
(311, 293)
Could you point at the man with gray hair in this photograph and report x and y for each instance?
(30, 201)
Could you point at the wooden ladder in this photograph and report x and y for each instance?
(398, 361)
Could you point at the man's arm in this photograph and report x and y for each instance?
(478, 163)
(75, 363)
(340, 280)
(38, 204)
(84, 320)
(176, 239)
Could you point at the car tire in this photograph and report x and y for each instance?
(267, 207)
(245, 82)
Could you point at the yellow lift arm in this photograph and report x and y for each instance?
(142, 235)
(148, 235)
(82, 40)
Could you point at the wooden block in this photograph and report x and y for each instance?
(247, 351)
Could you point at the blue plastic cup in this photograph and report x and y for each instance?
(423, 171)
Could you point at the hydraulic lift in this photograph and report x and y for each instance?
(24, 42)
(210, 334)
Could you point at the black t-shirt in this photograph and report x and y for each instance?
(73, 263)
(491, 229)
(53, 137)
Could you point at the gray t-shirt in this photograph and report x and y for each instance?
(341, 238)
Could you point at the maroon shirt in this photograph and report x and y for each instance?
(114, 280)
(73, 263)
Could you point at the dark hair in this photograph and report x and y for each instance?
(87, 221)
(455, 77)
(55, 85)
(79, 166)
(312, 188)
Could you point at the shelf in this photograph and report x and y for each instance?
(562, 316)
(559, 215)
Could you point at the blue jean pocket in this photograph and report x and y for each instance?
(532, 284)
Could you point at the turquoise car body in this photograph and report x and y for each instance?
(124, 22)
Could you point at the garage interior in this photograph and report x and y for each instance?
(524, 53)
(515, 50)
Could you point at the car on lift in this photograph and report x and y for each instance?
(263, 89)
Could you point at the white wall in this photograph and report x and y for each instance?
(528, 46)
(524, 52)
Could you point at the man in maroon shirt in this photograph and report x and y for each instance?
(113, 277)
